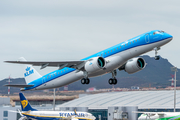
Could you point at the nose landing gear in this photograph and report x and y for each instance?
(113, 80)
(157, 57)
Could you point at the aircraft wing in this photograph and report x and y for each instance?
(20, 85)
(61, 64)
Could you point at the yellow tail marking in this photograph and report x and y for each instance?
(24, 103)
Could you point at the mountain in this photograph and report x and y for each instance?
(156, 73)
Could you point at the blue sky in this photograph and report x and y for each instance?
(56, 30)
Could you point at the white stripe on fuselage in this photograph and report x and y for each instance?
(113, 62)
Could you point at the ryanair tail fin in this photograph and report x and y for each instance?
(25, 105)
(30, 74)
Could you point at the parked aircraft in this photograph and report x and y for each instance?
(159, 116)
(120, 56)
(31, 113)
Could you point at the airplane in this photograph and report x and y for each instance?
(159, 116)
(122, 56)
(30, 113)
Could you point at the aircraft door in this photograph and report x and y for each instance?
(147, 38)
(43, 80)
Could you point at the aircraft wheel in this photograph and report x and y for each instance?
(114, 81)
(110, 81)
(87, 81)
(157, 57)
(83, 81)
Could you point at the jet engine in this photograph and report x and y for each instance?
(134, 65)
(95, 64)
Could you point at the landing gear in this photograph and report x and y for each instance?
(113, 80)
(85, 81)
(157, 57)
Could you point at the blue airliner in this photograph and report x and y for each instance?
(122, 56)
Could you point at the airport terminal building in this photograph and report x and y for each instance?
(108, 105)
(112, 105)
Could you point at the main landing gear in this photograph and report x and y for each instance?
(113, 80)
(85, 81)
(157, 57)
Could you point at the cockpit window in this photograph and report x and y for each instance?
(158, 32)
(161, 31)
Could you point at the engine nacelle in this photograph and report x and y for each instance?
(134, 65)
(95, 64)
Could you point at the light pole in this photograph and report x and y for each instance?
(175, 70)
(9, 84)
(54, 99)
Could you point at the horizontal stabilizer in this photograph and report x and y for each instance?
(19, 86)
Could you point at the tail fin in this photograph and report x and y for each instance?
(30, 73)
(25, 105)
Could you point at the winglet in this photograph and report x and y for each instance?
(75, 112)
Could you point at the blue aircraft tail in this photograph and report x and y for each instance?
(25, 105)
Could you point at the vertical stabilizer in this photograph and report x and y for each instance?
(25, 105)
(30, 74)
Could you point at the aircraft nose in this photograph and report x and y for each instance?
(168, 36)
